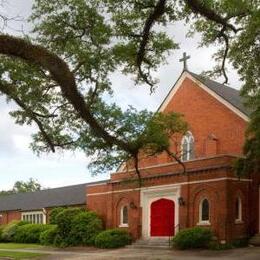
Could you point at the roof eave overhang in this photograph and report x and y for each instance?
(177, 85)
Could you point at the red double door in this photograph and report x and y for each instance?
(162, 218)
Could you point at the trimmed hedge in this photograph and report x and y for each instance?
(48, 236)
(30, 233)
(113, 238)
(197, 237)
(10, 229)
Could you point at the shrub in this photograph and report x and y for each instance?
(85, 227)
(54, 213)
(242, 242)
(9, 230)
(1, 232)
(64, 223)
(197, 237)
(48, 236)
(112, 238)
(215, 245)
(30, 233)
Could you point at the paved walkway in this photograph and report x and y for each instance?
(252, 253)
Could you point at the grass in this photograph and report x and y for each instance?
(18, 255)
(19, 246)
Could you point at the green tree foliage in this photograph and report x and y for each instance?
(59, 75)
(26, 186)
(23, 186)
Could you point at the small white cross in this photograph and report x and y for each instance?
(184, 60)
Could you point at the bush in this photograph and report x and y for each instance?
(113, 238)
(54, 213)
(237, 243)
(64, 220)
(85, 227)
(48, 236)
(30, 233)
(243, 242)
(9, 230)
(1, 232)
(197, 237)
(215, 245)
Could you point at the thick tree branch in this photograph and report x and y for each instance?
(223, 65)
(60, 72)
(157, 12)
(199, 7)
(178, 160)
(136, 164)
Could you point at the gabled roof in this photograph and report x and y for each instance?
(230, 97)
(229, 94)
(64, 196)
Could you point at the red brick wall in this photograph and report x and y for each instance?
(206, 116)
(216, 129)
(221, 195)
(9, 216)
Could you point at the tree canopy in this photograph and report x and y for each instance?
(59, 74)
(23, 186)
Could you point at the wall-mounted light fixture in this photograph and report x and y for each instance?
(132, 205)
(181, 201)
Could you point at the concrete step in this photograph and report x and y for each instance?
(255, 240)
(151, 243)
(148, 246)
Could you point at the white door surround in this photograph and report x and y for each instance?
(151, 194)
(259, 209)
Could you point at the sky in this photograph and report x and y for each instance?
(18, 162)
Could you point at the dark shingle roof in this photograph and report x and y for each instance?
(64, 196)
(229, 94)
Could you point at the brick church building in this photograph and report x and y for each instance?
(208, 194)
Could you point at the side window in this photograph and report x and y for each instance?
(238, 209)
(33, 217)
(124, 216)
(204, 210)
(187, 147)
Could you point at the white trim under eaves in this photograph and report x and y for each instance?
(166, 186)
(178, 84)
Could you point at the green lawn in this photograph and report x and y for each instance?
(18, 255)
(19, 246)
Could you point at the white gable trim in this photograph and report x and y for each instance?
(178, 84)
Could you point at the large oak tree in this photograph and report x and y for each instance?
(59, 74)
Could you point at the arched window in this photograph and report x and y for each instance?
(124, 216)
(238, 209)
(187, 147)
(204, 212)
